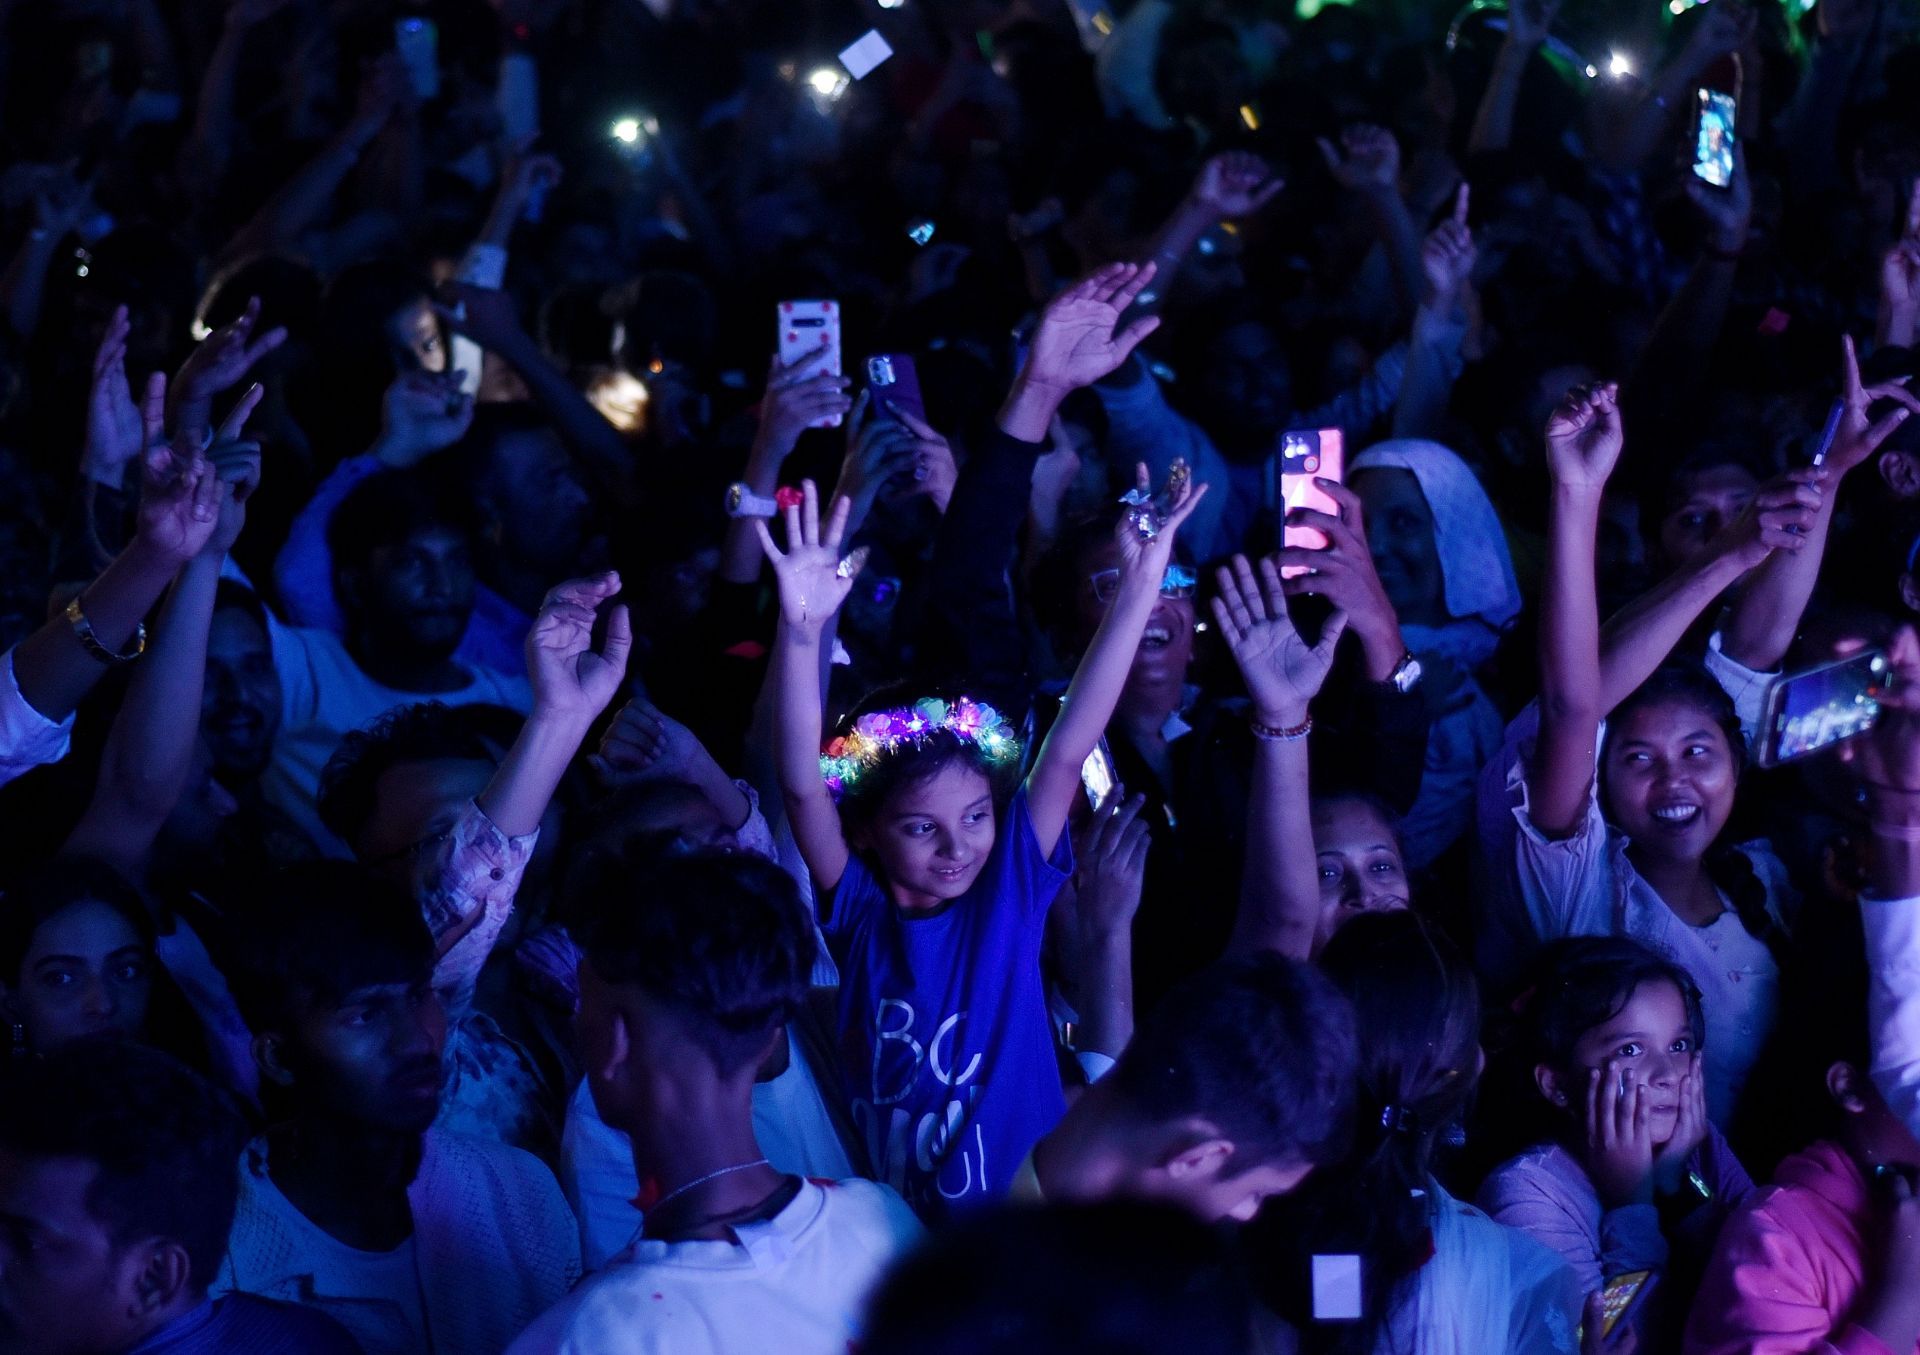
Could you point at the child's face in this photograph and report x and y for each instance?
(1361, 870)
(1651, 1040)
(1670, 778)
(933, 838)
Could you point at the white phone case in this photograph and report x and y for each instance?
(804, 325)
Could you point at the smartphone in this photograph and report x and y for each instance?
(417, 40)
(1097, 776)
(1307, 455)
(1806, 712)
(1618, 1296)
(896, 384)
(804, 326)
(1713, 137)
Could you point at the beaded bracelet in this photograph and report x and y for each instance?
(1272, 735)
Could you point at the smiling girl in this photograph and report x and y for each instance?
(935, 884)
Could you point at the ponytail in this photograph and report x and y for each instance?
(1732, 873)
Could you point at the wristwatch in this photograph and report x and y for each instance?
(83, 631)
(744, 503)
(1407, 676)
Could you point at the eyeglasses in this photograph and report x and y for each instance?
(1178, 582)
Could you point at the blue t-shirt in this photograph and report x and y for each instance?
(945, 1042)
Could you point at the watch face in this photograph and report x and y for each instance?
(735, 493)
(1408, 675)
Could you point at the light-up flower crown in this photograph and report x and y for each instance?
(876, 736)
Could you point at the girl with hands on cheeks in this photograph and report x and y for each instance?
(1628, 1173)
(936, 871)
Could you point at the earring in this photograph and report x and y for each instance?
(19, 1039)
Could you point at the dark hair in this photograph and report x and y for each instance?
(1731, 870)
(66, 881)
(1581, 982)
(332, 927)
(1264, 1047)
(420, 732)
(479, 451)
(165, 1143)
(1114, 1278)
(1417, 1011)
(916, 764)
(390, 509)
(723, 940)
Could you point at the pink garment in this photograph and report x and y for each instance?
(1786, 1271)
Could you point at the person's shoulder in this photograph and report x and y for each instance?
(468, 1158)
(262, 1326)
(1545, 1171)
(857, 1203)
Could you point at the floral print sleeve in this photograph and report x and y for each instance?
(472, 886)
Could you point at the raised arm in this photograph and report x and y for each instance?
(1583, 444)
(793, 403)
(1439, 325)
(1766, 617)
(814, 583)
(488, 318)
(1367, 164)
(1528, 22)
(149, 752)
(1145, 537)
(1231, 184)
(1280, 892)
(220, 363)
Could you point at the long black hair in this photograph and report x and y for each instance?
(1731, 870)
(1417, 1010)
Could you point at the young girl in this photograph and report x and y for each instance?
(936, 886)
(1436, 1276)
(1632, 1175)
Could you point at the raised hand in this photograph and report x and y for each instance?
(1283, 672)
(645, 744)
(1447, 255)
(113, 421)
(1368, 158)
(1727, 212)
(1530, 21)
(569, 676)
(1857, 439)
(219, 364)
(814, 579)
(1670, 1158)
(933, 472)
(1584, 437)
(236, 461)
(1110, 866)
(1146, 558)
(1076, 342)
(1236, 183)
(1342, 572)
(1779, 517)
(422, 413)
(180, 495)
(1900, 265)
(795, 401)
(1619, 1147)
(879, 450)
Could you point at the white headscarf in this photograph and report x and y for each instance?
(1474, 564)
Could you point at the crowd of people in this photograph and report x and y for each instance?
(1112, 686)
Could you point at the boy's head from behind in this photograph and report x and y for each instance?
(335, 978)
(1235, 1087)
(693, 966)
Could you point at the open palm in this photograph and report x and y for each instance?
(1282, 671)
(567, 673)
(813, 584)
(1076, 343)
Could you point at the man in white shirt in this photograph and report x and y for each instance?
(418, 1241)
(403, 573)
(686, 984)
